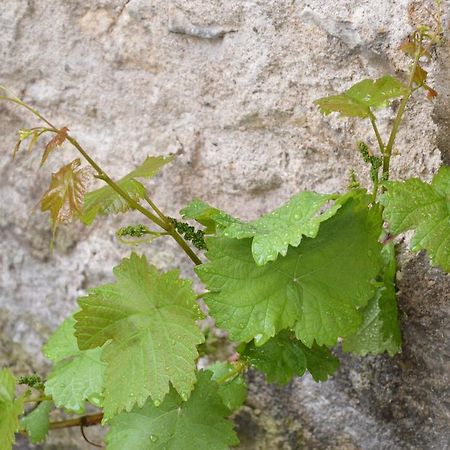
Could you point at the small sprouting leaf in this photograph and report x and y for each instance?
(196, 424)
(56, 141)
(233, 391)
(420, 75)
(424, 208)
(410, 47)
(64, 197)
(317, 288)
(206, 215)
(10, 409)
(77, 375)
(283, 357)
(36, 422)
(107, 201)
(357, 101)
(380, 329)
(148, 319)
(274, 232)
(431, 93)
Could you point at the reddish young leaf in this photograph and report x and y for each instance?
(431, 93)
(64, 198)
(56, 141)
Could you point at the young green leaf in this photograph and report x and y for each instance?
(232, 391)
(424, 208)
(64, 198)
(274, 232)
(317, 287)
(10, 409)
(197, 424)
(36, 422)
(78, 375)
(207, 215)
(380, 330)
(283, 357)
(366, 94)
(148, 318)
(107, 201)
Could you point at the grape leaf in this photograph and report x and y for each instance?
(197, 424)
(107, 201)
(77, 375)
(36, 422)
(424, 208)
(56, 141)
(275, 231)
(321, 364)
(233, 391)
(366, 94)
(64, 198)
(380, 330)
(316, 288)
(283, 357)
(206, 215)
(150, 319)
(10, 409)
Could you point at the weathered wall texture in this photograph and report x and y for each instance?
(228, 87)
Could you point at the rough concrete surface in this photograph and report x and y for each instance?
(227, 86)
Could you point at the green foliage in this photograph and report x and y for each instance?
(206, 215)
(317, 288)
(232, 387)
(274, 232)
(287, 287)
(10, 409)
(424, 208)
(197, 424)
(36, 422)
(147, 319)
(380, 330)
(361, 97)
(107, 201)
(283, 357)
(77, 375)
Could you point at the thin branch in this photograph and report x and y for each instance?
(85, 421)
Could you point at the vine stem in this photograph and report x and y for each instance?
(163, 223)
(160, 219)
(85, 421)
(398, 119)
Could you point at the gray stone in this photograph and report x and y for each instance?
(232, 97)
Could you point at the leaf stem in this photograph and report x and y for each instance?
(155, 208)
(38, 399)
(373, 121)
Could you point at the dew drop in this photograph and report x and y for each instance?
(258, 338)
(153, 438)
(156, 403)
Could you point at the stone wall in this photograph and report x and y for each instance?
(227, 86)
